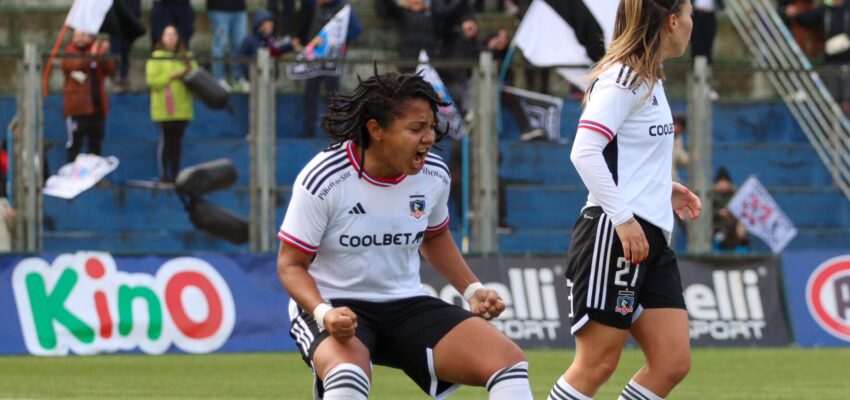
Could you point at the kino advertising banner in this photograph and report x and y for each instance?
(93, 302)
(817, 287)
(730, 303)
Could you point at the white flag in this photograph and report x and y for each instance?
(329, 44)
(547, 39)
(88, 15)
(447, 115)
(753, 206)
(76, 177)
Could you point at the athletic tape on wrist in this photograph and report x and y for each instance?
(470, 290)
(319, 314)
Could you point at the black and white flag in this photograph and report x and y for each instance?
(567, 32)
(328, 46)
(541, 111)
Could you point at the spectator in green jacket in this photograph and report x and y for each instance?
(171, 102)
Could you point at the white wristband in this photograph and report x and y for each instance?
(470, 290)
(319, 314)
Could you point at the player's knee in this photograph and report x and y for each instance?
(678, 368)
(600, 371)
(346, 381)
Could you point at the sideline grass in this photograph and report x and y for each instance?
(716, 374)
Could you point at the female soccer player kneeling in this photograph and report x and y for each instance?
(360, 213)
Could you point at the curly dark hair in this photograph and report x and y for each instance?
(382, 98)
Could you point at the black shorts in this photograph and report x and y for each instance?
(606, 288)
(399, 334)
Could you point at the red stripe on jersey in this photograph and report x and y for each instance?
(593, 128)
(599, 127)
(439, 227)
(298, 243)
(354, 159)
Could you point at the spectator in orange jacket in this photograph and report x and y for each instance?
(85, 101)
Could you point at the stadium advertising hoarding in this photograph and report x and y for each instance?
(730, 303)
(734, 302)
(92, 302)
(817, 287)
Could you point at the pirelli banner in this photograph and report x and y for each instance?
(730, 303)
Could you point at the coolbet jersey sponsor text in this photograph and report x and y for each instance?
(365, 232)
(639, 155)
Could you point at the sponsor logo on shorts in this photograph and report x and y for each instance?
(828, 296)
(625, 302)
(82, 303)
(730, 309)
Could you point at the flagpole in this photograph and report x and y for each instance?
(503, 73)
(464, 241)
(53, 52)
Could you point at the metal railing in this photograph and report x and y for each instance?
(800, 87)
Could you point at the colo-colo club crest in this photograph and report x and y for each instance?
(83, 304)
(417, 205)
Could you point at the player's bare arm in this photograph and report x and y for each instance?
(292, 265)
(441, 252)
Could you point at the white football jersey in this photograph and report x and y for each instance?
(639, 155)
(365, 232)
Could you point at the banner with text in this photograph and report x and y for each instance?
(817, 287)
(734, 303)
(91, 302)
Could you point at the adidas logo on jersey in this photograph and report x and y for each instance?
(357, 209)
(654, 101)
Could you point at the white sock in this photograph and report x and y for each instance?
(634, 391)
(510, 383)
(346, 382)
(563, 391)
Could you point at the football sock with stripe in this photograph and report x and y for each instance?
(563, 391)
(510, 383)
(634, 391)
(346, 382)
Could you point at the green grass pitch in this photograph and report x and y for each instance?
(785, 373)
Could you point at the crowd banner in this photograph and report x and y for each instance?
(329, 46)
(78, 176)
(541, 110)
(449, 116)
(817, 287)
(92, 302)
(759, 213)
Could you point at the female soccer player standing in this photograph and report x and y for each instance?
(629, 282)
(360, 213)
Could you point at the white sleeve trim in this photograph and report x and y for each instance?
(590, 164)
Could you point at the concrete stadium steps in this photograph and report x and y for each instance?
(113, 209)
(139, 242)
(545, 207)
(556, 241)
(775, 164)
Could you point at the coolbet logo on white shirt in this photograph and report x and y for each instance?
(639, 126)
(365, 232)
